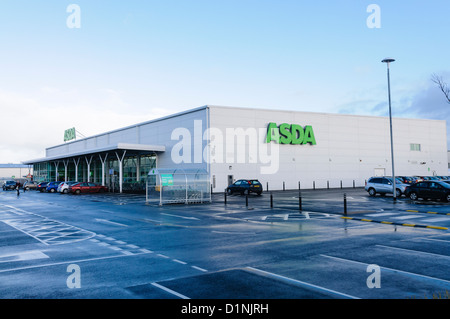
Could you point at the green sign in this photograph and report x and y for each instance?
(290, 134)
(69, 134)
(166, 179)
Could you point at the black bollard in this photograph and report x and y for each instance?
(345, 204)
(271, 200)
(299, 201)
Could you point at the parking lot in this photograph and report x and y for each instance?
(280, 245)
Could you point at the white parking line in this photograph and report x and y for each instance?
(436, 219)
(170, 291)
(198, 268)
(414, 251)
(67, 262)
(407, 217)
(301, 283)
(184, 217)
(381, 214)
(388, 269)
(24, 255)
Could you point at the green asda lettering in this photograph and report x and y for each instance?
(290, 134)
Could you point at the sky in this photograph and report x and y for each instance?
(109, 64)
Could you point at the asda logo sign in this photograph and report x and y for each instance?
(290, 134)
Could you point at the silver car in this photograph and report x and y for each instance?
(64, 187)
(383, 185)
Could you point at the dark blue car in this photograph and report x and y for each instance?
(42, 187)
(52, 187)
(245, 186)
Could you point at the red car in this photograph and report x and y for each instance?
(84, 187)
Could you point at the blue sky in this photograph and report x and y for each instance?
(131, 61)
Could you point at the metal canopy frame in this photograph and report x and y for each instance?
(119, 151)
(178, 186)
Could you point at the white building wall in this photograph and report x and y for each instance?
(349, 148)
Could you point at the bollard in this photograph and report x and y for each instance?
(271, 200)
(284, 188)
(246, 200)
(345, 204)
(341, 184)
(314, 184)
(299, 185)
(328, 184)
(267, 186)
(353, 183)
(299, 201)
(225, 197)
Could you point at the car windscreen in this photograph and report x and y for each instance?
(444, 184)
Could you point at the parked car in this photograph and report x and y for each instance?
(64, 187)
(429, 190)
(407, 179)
(9, 185)
(84, 187)
(52, 187)
(30, 185)
(383, 186)
(415, 179)
(42, 186)
(243, 186)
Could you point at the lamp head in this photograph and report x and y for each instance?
(388, 60)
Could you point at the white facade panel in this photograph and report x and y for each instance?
(350, 149)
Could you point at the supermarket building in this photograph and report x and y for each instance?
(282, 149)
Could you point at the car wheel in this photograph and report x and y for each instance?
(52, 190)
(372, 192)
(77, 192)
(229, 191)
(65, 191)
(258, 193)
(413, 196)
(398, 193)
(447, 197)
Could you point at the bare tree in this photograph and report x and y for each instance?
(442, 85)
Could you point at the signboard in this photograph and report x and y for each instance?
(290, 134)
(166, 179)
(69, 134)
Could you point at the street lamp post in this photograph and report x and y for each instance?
(394, 190)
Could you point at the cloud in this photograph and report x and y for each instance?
(29, 124)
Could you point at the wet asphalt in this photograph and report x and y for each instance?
(313, 244)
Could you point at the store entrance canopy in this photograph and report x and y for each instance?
(117, 151)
